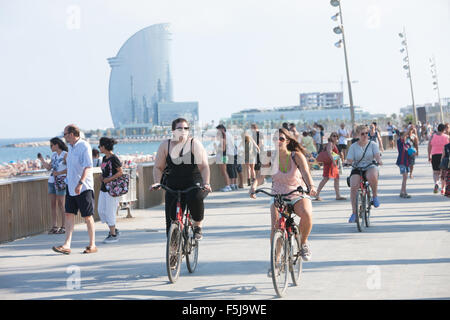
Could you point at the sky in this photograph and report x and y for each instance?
(227, 55)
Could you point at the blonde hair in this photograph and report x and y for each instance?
(361, 128)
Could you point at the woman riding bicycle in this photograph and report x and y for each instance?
(361, 155)
(292, 172)
(184, 163)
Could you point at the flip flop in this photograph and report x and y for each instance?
(62, 250)
(53, 230)
(90, 250)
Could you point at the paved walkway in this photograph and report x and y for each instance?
(404, 255)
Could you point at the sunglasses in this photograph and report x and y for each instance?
(182, 128)
(281, 139)
(364, 133)
(334, 136)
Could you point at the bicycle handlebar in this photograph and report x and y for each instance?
(373, 163)
(299, 189)
(197, 186)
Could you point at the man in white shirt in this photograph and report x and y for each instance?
(342, 143)
(391, 130)
(80, 188)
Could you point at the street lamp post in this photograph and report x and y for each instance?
(340, 30)
(436, 85)
(407, 66)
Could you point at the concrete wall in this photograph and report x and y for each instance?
(25, 207)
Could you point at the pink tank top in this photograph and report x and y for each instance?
(438, 143)
(286, 182)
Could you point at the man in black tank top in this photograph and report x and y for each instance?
(183, 162)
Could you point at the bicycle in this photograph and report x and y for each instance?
(285, 243)
(364, 200)
(180, 239)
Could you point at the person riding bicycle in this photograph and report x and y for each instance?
(292, 172)
(361, 155)
(181, 163)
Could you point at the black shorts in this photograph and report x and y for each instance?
(83, 202)
(342, 147)
(358, 172)
(231, 170)
(436, 162)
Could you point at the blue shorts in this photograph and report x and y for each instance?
(403, 169)
(52, 190)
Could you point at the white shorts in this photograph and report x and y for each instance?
(107, 208)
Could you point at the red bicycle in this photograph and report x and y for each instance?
(285, 243)
(180, 239)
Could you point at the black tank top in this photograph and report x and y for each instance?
(182, 172)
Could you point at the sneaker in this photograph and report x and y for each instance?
(198, 235)
(269, 273)
(436, 188)
(226, 189)
(352, 218)
(376, 202)
(110, 238)
(234, 187)
(305, 252)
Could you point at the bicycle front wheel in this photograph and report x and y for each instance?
(279, 262)
(368, 206)
(360, 207)
(173, 252)
(295, 263)
(191, 248)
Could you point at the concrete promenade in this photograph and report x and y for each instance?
(405, 254)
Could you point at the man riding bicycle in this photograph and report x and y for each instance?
(361, 156)
(182, 163)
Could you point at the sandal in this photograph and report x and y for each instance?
(53, 230)
(62, 250)
(61, 230)
(90, 250)
(318, 199)
(341, 198)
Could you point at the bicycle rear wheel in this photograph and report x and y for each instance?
(295, 263)
(191, 248)
(279, 262)
(173, 252)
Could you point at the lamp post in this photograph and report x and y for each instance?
(407, 66)
(340, 30)
(436, 84)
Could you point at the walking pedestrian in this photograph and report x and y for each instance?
(331, 168)
(97, 162)
(80, 188)
(309, 144)
(391, 131)
(250, 151)
(259, 139)
(294, 131)
(342, 143)
(435, 149)
(403, 162)
(375, 136)
(226, 158)
(413, 150)
(445, 167)
(56, 182)
(107, 204)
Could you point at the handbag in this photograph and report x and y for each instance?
(60, 183)
(119, 186)
(323, 157)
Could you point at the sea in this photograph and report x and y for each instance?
(8, 154)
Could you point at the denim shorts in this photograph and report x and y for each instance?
(403, 169)
(52, 190)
